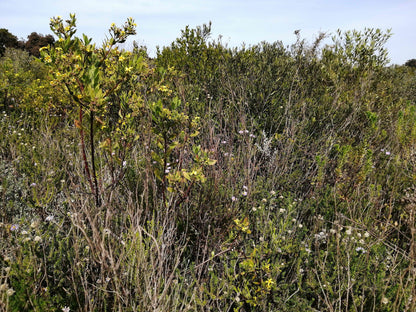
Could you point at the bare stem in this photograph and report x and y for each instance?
(94, 174)
(84, 156)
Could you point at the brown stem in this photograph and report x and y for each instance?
(165, 159)
(185, 196)
(94, 174)
(84, 156)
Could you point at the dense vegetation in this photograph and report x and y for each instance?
(32, 45)
(262, 178)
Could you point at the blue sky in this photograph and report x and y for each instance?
(160, 21)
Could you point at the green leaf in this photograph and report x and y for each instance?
(186, 175)
(211, 162)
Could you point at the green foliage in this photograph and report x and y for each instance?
(262, 178)
(91, 76)
(410, 63)
(23, 85)
(7, 40)
(37, 41)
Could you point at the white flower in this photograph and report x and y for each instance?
(348, 232)
(38, 239)
(233, 198)
(14, 227)
(49, 218)
(66, 309)
(384, 300)
(366, 234)
(244, 193)
(320, 235)
(360, 249)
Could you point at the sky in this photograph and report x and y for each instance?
(160, 21)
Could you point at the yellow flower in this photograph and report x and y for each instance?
(164, 89)
(128, 69)
(269, 283)
(122, 58)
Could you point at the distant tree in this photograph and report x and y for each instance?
(36, 41)
(7, 40)
(411, 63)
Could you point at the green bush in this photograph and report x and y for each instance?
(261, 178)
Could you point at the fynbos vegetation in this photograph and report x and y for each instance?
(262, 178)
